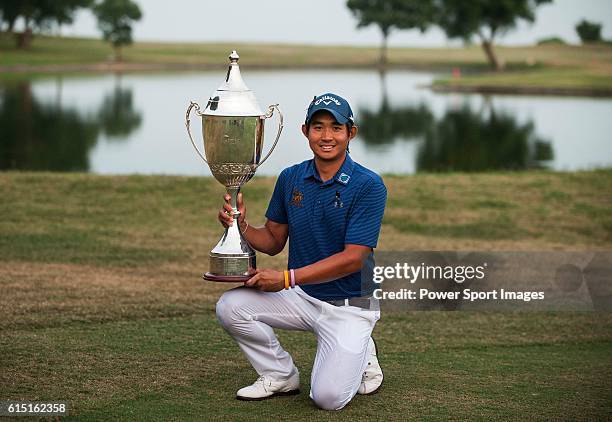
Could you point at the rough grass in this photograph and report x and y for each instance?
(102, 304)
(46, 50)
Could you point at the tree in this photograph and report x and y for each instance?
(485, 19)
(392, 14)
(38, 14)
(31, 11)
(62, 12)
(588, 31)
(9, 9)
(115, 19)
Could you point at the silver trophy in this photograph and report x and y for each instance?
(233, 132)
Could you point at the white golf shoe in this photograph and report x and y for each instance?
(266, 387)
(372, 377)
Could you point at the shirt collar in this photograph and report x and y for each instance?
(342, 176)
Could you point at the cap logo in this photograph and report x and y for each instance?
(327, 100)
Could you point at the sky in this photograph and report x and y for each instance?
(321, 22)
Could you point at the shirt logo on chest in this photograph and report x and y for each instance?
(344, 178)
(296, 198)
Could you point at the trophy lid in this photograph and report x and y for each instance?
(233, 97)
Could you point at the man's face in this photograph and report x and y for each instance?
(328, 139)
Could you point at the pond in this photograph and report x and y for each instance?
(135, 123)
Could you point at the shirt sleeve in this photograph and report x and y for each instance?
(277, 208)
(365, 217)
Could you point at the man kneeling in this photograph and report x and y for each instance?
(330, 208)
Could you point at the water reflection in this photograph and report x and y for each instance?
(461, 140)
(135, 124)
(387, 124)
(117, 115)
(42, 135)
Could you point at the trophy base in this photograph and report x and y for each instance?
(233, 259)
(232, 268)
(226, 278)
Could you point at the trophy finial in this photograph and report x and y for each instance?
(233, 97)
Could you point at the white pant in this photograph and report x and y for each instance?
(343, 333)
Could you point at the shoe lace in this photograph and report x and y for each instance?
(365, 376)
(262, 380)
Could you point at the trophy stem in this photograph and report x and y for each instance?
(233, 259)
(233, 193)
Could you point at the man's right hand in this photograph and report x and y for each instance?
(225, 213)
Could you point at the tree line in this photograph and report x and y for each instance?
(115, 18)
(483, 20)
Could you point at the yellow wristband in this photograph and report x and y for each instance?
(286, 273)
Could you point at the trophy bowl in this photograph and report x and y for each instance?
(233, 136)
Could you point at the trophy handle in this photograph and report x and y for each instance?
(280, 128)
(195, 105)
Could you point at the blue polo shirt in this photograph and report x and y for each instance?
(325, 216)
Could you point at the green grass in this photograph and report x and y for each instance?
(102, 304)
(561, 77)
(48, 51)
(186, 368)
(537, 81)
(549, 68)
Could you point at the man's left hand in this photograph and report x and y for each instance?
(267, 280)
